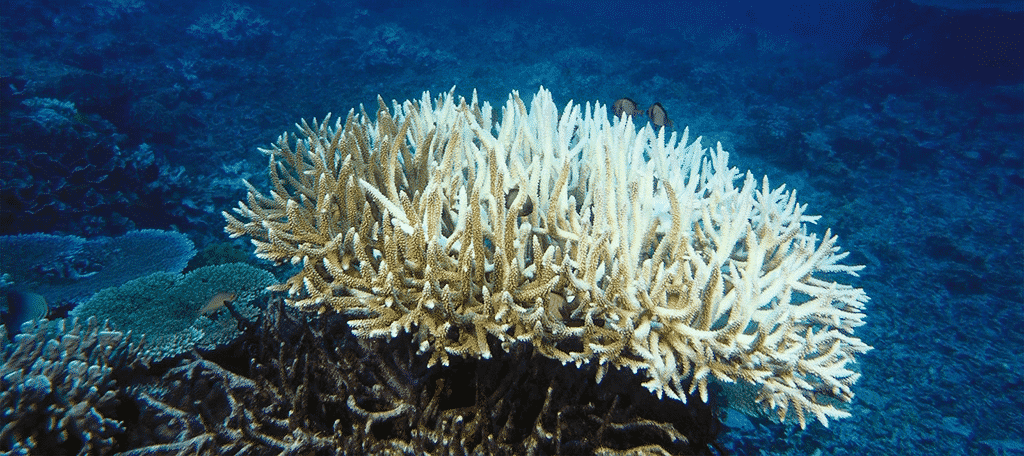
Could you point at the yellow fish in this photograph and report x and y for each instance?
(217, 301)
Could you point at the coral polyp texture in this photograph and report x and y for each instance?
(590, 239)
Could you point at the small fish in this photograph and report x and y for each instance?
(658, 116)
(527, 208)
(22, 307)
(625, 106)
(217, 301)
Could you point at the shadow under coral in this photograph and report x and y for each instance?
(299, 384)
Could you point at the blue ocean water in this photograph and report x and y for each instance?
(901, 124)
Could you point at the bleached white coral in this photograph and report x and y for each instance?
(591, 239)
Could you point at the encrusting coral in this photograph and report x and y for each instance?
(591, 240)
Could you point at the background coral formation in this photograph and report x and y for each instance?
(592, 241)
(70, 269)
(71, 171)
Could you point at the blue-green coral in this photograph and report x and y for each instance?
(167, 307)
(71, 268)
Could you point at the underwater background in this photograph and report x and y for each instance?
(127, 126)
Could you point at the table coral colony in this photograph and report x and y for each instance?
(590, 239)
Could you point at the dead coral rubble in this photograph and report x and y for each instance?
(310, 387)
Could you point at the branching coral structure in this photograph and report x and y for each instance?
(59, 390)
(589, 239)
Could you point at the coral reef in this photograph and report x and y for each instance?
(180, 312)
(594, 242)
(57, 387)
(305, 385)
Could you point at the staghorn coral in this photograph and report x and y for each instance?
(59, 391)
(591, 240)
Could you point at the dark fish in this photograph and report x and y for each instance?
(527, 208)
(625, 106)
(22, 307)
(658, 116)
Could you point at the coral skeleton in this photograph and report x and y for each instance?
(591, 240)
